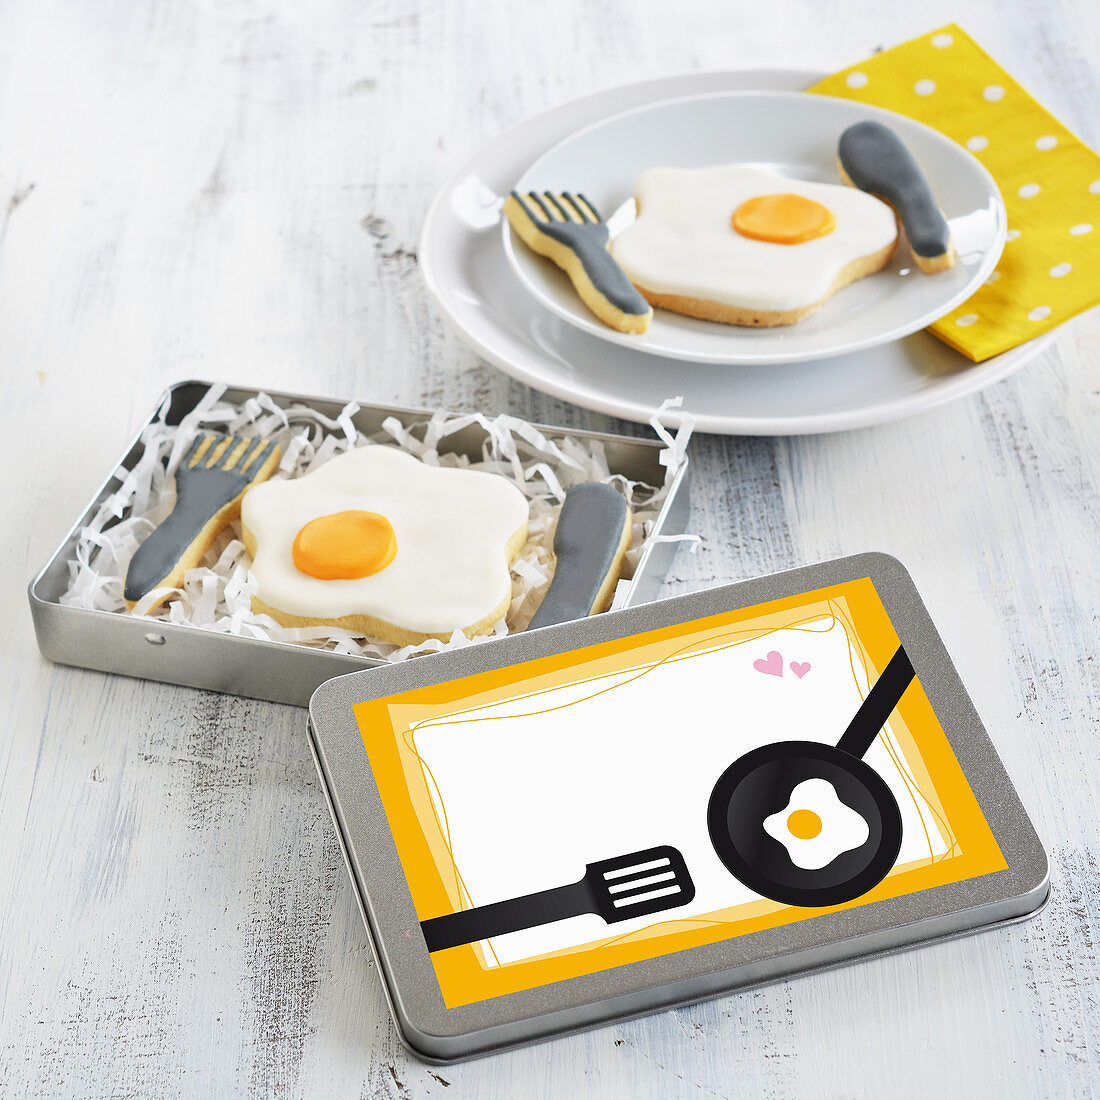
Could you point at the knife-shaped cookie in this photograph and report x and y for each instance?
(592, 535)
(873, 159)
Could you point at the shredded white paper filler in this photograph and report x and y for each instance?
(217, 594)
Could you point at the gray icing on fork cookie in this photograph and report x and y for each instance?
(211, 479)
(873, 159)
(591, 538)
(567, 229)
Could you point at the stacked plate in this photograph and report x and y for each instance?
(862, 359)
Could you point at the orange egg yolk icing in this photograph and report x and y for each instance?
(804, 824)
(344, 546)
(782, 219)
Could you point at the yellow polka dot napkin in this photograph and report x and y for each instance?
(1050, 180)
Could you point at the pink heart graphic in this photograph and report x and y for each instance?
(800, 668)
(772, 666)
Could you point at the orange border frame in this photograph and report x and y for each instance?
(436, 885)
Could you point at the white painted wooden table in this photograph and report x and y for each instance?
(233, 189)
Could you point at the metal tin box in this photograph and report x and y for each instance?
(278, 671)
(462, 787)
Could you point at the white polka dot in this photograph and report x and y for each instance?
(856, 80)
(1012, 235)
(1094, 187)
(924, 87)
(977, 143)
(1081, 230)
(1058, 271)
(966, 319)
(942, 41)
(993, 278)
(1047, 141)
(993, 92)
(1028, 191)
(1039, 314)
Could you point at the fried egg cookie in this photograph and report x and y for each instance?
(590, 543)
(211, 480)
(378, 543)
(566, 229)
(747, 246)
(873, 159)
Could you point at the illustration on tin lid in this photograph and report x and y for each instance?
(859, 830)
(525, 801)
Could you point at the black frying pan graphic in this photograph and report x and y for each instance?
(760, 784)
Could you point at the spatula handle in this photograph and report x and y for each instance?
(513, 915)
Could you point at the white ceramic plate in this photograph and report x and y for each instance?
(796, 135)
(471, 283)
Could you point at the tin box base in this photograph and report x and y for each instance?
(278, 671)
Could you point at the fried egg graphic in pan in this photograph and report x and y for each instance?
(815, 826)
(809, 823)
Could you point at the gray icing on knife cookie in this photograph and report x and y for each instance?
(211, 479)
(873, 159)
(567, 229)
(591, 538)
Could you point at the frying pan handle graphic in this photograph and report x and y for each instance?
(877, 707)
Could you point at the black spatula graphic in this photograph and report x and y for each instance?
(634, 885)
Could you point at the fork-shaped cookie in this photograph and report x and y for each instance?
(567, 229)
(210, 481)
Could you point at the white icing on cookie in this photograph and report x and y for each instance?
(452, 528)
(683, 242)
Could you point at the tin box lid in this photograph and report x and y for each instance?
(659, 803)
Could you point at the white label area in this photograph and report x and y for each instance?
(533, 789)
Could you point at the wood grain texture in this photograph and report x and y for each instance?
(233, 189)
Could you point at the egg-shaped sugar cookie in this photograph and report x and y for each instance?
(745, 245)
(376, 542)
